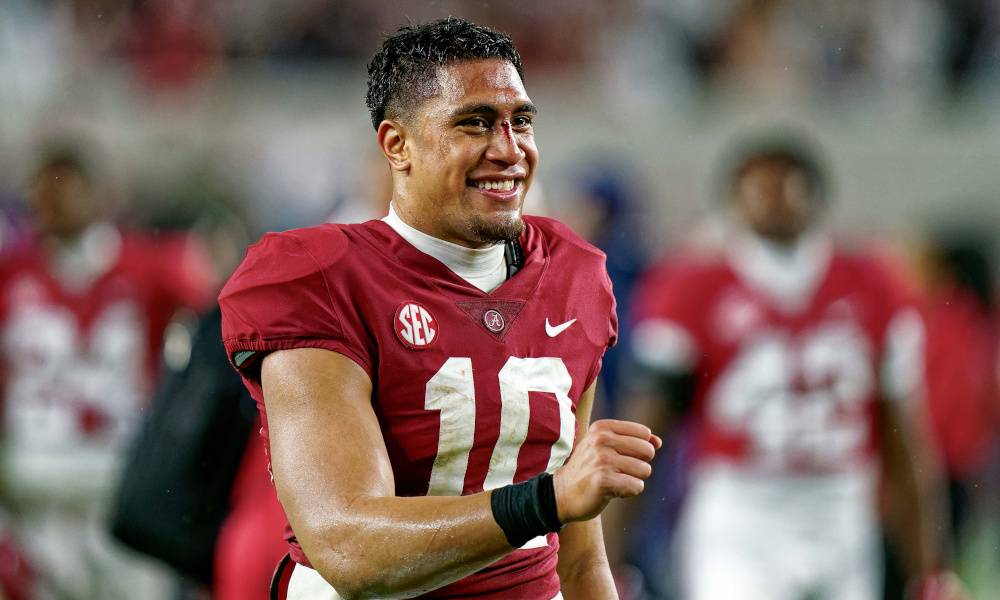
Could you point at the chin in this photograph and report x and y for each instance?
(504, 228)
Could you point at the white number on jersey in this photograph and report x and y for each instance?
(799, 401)
(452, 392)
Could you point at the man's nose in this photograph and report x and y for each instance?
(503, 145)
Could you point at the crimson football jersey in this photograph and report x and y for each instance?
(782, 386)
(962, 394)
(473, 390)
(80, 357)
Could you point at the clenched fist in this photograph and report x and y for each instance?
(611, 461)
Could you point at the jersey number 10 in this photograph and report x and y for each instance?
(452, 391)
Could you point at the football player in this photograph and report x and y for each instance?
(800, 365)
(83, 310)
(426, 380)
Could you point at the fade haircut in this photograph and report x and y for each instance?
(404, 72)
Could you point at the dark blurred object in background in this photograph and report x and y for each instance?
(971, 41)
(176, 485)
(603, 205)
(196, 492)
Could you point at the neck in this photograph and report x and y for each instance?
(788, 272)
(481, 267)
(81, 259)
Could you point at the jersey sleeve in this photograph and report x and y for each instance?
(279, 298)
(902, 375)
(667, 317)
(613, 313)
(612, 331)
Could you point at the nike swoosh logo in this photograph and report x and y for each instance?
(554, 331)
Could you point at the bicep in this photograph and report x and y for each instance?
(334, 478)
(326, 446)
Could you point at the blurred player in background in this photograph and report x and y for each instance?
(956, 282)
(83, 308)
(800, 366)
(424, 378)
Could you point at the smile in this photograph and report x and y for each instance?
(506, 184)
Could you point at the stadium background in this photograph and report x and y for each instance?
(221, 107)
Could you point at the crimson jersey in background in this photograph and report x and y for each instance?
(250, 541)
(472, 390)
(790, 350)
(80, 345)
(963, 401)
(81, 332)
(785, 384)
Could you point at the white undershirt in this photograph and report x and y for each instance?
(787, 273)
(82, 260)
(484, 268)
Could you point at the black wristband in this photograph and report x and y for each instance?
(526, 510)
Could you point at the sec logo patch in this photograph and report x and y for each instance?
(415, 326)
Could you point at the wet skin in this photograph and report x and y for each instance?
(477, 129)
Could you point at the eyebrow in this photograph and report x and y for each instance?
(487, 109)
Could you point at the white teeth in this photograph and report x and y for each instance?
(507, 184)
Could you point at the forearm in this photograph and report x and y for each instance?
(403, 547)
(583, 565)
(913, 515)
(335, 481)
(916, 500)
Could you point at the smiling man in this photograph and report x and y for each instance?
(426, 380)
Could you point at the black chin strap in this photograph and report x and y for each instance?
(514, 255)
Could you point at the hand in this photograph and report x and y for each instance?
(940, 585)
(612, 461)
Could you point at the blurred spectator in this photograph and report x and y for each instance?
(605, 208)
(776, 50)
(956, 284)
(83, 309)
(173, 43)
(751, 47)
(799, 364)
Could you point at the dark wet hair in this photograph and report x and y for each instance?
(966, 258)
(786, 146)
(404, 72)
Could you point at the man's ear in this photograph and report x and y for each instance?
(393, 139)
